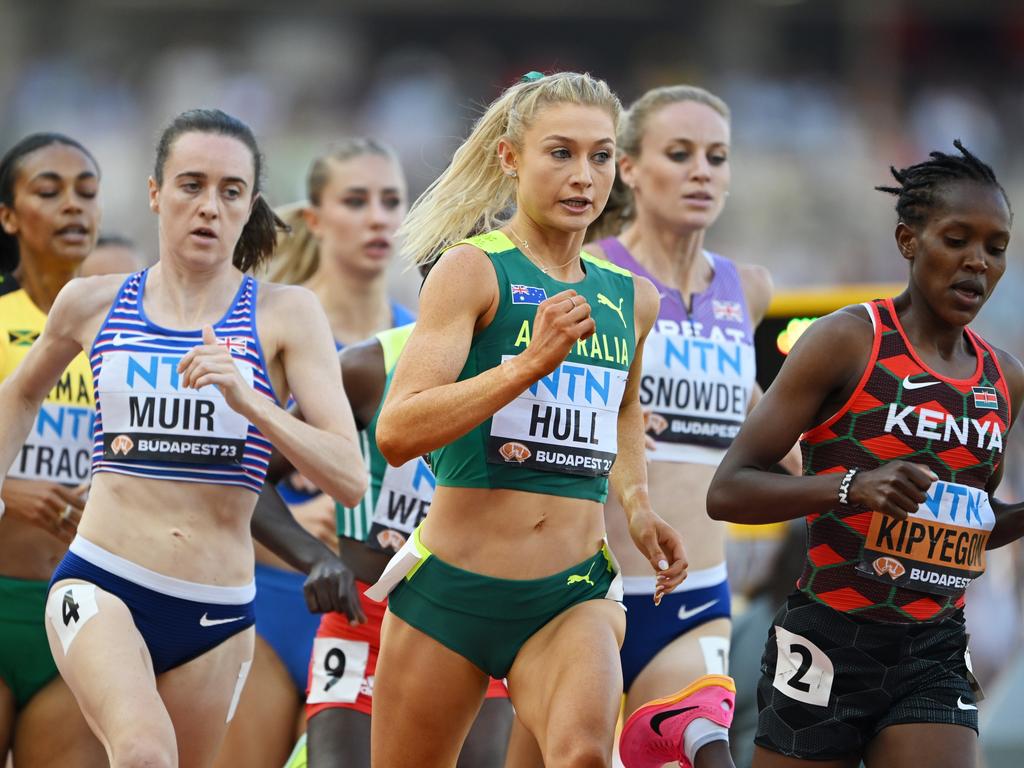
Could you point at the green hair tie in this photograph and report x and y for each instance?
(531, 77)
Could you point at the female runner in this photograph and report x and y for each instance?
(50, 215)
(698, 384)
(149, 613)
(903, 412)
(521, 377)
(339, 247)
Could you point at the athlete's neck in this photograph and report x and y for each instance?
(185, 298)
(356, 306)
(674, 257)
(556, 252)
(42, 278)
(934, 339)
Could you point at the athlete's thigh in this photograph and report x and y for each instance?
(202, 694)
(566, 682)
(425, 697)
(487, 741)
(105, 662)
(704, 650)
(52, 731)
(262, 732)
(766, 758)
(523, 751)
(338, 737)
(7, 714)
(912, 745)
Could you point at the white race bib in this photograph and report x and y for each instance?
(339, 670)
(148, 415)
(59, 447)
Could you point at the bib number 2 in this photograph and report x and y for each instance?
(803, 671)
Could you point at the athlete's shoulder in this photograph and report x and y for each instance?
(464, 274)
(647, 302)
(281, 298)
(1013, 372)
(845, 335)
(758, 288)
(604, 264)
(491, 242)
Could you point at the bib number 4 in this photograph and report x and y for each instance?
(803, 671)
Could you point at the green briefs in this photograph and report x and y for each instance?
(487, 620)
(25, 661)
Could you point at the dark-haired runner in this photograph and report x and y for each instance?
(903, 412)
(50, 214)
(149, 613)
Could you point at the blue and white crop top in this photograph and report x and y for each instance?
(147, 425)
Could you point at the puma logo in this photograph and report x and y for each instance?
(602, 299)
(577, 579)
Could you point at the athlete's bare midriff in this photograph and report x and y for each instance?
(511, 534)
(186, 530)
(677, 492)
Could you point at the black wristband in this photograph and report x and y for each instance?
(844, 487)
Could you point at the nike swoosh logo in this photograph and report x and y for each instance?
(205, 622)
(661, 717)
(120, 340)
(960, 704)
(686, 613)
(908, 384)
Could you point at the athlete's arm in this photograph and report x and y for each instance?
(757, 290)
(324, 447)
(426, 407)
(1009, 517)
(792, 462)
(330, 586)
(22, 393)
(656, 539)
(818, 376)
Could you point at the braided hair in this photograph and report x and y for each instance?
(916, 196)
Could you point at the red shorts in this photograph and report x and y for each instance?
(344, 661)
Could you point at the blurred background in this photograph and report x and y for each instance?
(825, 95)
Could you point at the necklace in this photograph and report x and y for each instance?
(533, 258)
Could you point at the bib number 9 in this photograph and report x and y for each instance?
(338, 670)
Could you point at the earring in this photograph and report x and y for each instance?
(512, 174)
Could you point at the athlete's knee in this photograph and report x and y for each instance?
(581, 752)
(141, 750)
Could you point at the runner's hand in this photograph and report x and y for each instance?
(211, 363)
(663, 547)
(896, 488)
(330, 587)
(49, 506)
(561, 321)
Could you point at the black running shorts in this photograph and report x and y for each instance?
(830, 682)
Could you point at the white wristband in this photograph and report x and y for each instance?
(844, 486)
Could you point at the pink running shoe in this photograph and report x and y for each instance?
(653, 735)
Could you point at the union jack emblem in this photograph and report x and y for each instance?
(727, 310)
(235, 344)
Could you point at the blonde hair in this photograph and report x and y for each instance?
(297, 255)
(473, 194)
(632, 125)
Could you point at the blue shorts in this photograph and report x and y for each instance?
(285, 621)
(650, 628)
(178, 620)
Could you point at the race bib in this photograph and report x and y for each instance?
(402, 503)
(803, 671)
(148, 415)
(697, 389)
(567, 422)
(339, 671)
(59, 447)
(939, 549)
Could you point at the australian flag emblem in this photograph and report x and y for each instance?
(527, 294)
(985, 397)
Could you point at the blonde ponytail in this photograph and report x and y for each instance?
(472, 194)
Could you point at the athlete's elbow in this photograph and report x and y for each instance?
(394, 444)
(351, 486)
(720, 502)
